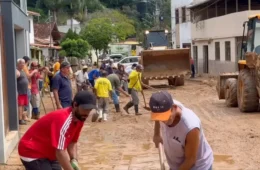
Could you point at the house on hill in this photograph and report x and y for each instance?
(47, 37)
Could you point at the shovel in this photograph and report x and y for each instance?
(145, 105)
(160, 148)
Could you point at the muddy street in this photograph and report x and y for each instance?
(125, 141)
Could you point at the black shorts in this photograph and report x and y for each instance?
(42, 164)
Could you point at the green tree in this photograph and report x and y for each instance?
(70, 35)
(54, 6)
(98, 33)
(122, 25)
(75, 48)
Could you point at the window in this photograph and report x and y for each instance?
(133, 60)
(177, 16)
(217, 51)
(227, 51)
(183, 14)
(125, 60)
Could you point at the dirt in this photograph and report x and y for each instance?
(125, 141)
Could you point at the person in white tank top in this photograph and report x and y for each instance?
(180, 131)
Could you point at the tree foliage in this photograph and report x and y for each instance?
(75, 48)
(123, 26)
(71, 35)
(98, 33)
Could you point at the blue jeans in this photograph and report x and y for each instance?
(65, 104)
(115, 97)
(210, 168)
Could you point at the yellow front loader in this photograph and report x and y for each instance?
(243, 89)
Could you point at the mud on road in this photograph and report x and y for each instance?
(125, 141)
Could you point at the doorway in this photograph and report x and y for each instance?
(205, 59)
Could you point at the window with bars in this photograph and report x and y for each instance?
(227, 51)
(177, 16)
(183, 14)
(217, 51)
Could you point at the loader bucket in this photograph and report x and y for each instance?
(165, 63)
(221, 83)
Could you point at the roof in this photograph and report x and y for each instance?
(46, 46)
(33, 13)
(43, 31)
(194, 4)
(254, 16)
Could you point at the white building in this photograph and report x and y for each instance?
(181, 25)
(216, 30)
(75, 26)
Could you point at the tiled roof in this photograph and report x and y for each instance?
(44, 30)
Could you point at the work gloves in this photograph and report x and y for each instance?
(75, 165)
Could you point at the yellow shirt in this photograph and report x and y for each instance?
(56, 67)
(26, 70)
(103, 87)
(135, 78)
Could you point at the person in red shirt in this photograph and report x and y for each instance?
(51, 142)
(35, 95)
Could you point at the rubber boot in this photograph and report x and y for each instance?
(136, 111)
(100, 115)
(117, 108)
(128, 106)
(105, 117)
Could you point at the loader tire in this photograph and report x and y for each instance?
(247, 95)
(231, 92)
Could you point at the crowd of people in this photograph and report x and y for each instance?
(177, 127)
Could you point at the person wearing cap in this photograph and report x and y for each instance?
(180, 131)
(82, 79)
(135, 86)
(116, 86)
(103, 90)
(56, 66)
(51, 142)
(61, 86)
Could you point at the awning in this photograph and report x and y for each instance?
(192, 5)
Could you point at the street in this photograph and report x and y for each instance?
(125, 141)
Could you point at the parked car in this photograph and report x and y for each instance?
(128, 61)
(116, 57)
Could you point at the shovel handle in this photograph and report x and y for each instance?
(160, 148)
(144, 98)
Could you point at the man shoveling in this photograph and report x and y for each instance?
(51, 142)
(180, 130)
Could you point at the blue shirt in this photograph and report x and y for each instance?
(63, 85)
(93, 73)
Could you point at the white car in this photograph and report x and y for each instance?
(128, 61)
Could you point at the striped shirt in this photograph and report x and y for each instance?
(54, 131)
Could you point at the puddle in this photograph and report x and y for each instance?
(146, 146)
(224, 158)
(128, 157)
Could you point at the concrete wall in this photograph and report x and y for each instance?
(221, 66)
(230, 25)
(31, 30)
(183, 29)
(15, 25)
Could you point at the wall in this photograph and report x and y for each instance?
(221, 66)
(31, 30)
(230, 25)
(183, 30)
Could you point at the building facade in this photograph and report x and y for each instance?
(217, 30)
(181, 25)
(14, 44)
